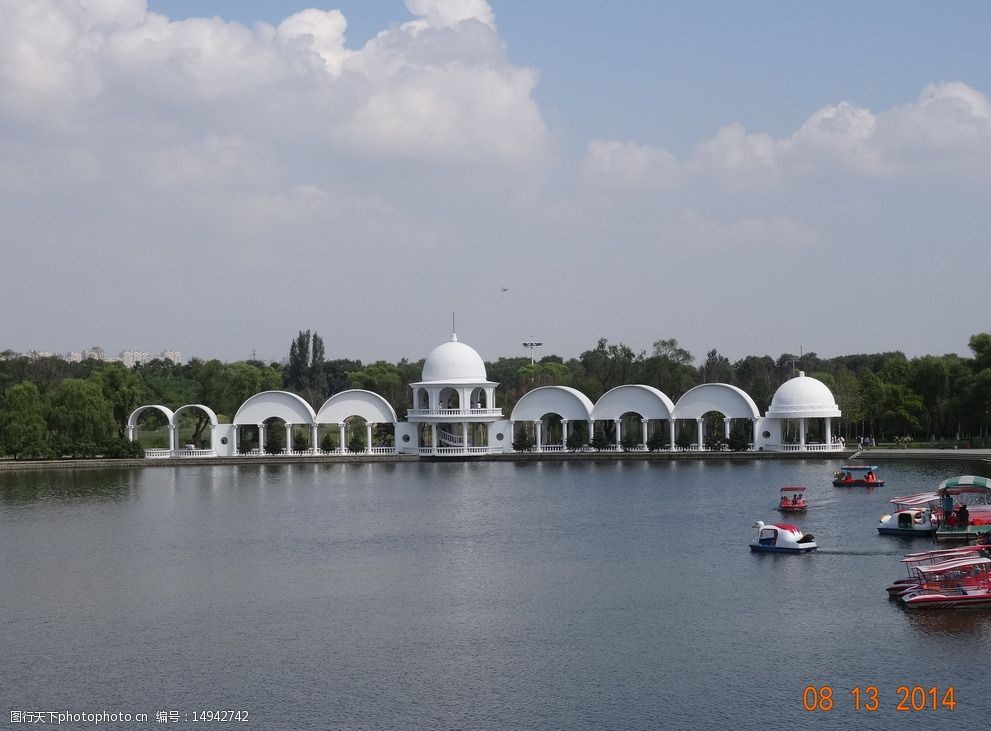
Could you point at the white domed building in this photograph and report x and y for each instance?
(454, 412)
(801, 400)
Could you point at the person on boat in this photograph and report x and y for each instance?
(870, 476)
(847, 477)
(963, 517)
(794, 499)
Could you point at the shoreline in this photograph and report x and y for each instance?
(980, 455)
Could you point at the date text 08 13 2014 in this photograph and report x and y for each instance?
(908, 698)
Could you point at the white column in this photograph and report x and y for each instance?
(433, 437)
(698, 426)
(591, 431)
(261, 439)
(564, 434)
(234, 440)
(801, 433)
(464, 436)
(173, 438)
(829, 430)
(726, 428)
(131, 432)
(619, 434)
(213, 428)
(536, 430)
(340, 433)
(368, 437)
(288, 438)
(314, 436)
(643, 430)
(512, 434)
(671, 425)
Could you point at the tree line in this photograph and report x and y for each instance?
(50, 407)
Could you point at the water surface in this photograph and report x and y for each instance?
(551, 595)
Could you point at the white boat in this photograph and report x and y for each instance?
(913, 515)
(781, 538)
(960, 583)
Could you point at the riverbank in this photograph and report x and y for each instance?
(980, 455)
(83, 464)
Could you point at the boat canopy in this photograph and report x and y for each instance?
(920, 498)
(966, 481)
(794, 488)
(959, 563)
(859, 468)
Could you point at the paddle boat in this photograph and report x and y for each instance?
(781, 538)
(911, 561)
(857, 476)
(964, 508)
(960, 583)
(793, 499)
(914, 515)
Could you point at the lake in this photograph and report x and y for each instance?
(471, 595)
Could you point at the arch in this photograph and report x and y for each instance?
(730, 401)
(567, 402)
(356, 402)
(647, 401)
(132, 420)
(205, 409)
(279, 404)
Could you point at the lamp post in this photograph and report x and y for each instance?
(531, 344)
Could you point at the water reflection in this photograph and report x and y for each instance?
(949, 623)
(36, 486)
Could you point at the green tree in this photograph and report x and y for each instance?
(80, 418)
(304, 373)
(122, 388)
(382, 378)
(23, 431)
(716, 369)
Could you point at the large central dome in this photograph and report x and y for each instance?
(454, 362)
(803, 397)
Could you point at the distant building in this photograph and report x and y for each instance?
(131, 358)
(74, 357)
(173, 355)
(94, 353)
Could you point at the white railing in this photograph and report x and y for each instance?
(449, 451)
(454, 412)
(193, 452)
(805, 448)
(158, 453)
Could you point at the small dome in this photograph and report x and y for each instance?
(453, 362)
(803, 397)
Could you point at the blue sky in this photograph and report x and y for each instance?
(672, 73)
(755, 177)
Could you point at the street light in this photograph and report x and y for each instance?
(531, 344)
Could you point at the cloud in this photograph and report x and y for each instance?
(437, 89)
(949, 126)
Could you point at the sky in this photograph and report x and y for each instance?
(213, 176)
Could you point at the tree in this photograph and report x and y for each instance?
(716, 369)
(80, 418)
(383, 378)
(23, 431)
(304, 374)
(123, 390)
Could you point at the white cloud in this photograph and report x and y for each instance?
(448, 13)
(949, 127)
(631, 165)
(437, 89)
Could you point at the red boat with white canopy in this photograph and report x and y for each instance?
(960, 583)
